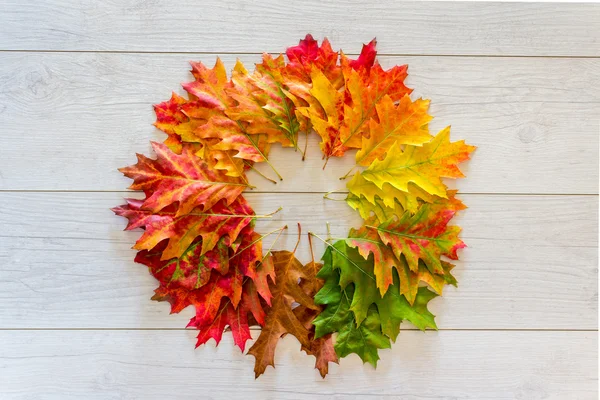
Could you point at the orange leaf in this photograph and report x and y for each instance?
(405, 123)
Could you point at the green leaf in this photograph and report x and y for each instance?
(363, 340)
(354, 269)
(394, 308)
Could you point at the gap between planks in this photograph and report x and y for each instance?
(258, 54)
(295, 192)
(258, 329)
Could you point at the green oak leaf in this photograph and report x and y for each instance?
(363, 340)
(354, 269)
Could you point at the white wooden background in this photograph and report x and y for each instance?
(520, 81)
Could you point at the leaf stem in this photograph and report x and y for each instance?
(310, 245)
(326, 161)
(326, 195)
(258, 172)
(260, 152)
(305, 146)
(348, 173)
(342, 254)
(272, 244)
(258, 240)
(269, 215)
(299, 236)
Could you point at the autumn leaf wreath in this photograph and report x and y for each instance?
(199, 239)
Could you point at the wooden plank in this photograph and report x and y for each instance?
(248, 26)
(163, 364)
(531, 262)
(84, 115)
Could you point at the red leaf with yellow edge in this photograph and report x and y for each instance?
(367, 241)
(184, 178)
(281, 319)
(206, 299)
(191, 270)
(181, 231)
(425, 235)
(236, 318)
(172, 120)
(424, 166)
(248, 259)
(405, 123)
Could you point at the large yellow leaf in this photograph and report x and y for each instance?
(424, 166)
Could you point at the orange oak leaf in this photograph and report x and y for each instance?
(263, 104)
(265, 269)
(328, 116)
(281, 319)
(343, 116)
(222, 159)
(363, 93)
(179, 118)
(405, 123)
(221, 220)
(232, 137)
(209, 85)
(183, 178)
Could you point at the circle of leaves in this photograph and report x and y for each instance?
(199, 239)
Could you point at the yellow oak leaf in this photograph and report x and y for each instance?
(424, 166)
(365, 196)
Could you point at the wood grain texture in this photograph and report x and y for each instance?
(433, 365)
(84, 115)
(66, 263)
(520, 81)
(271, 25)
